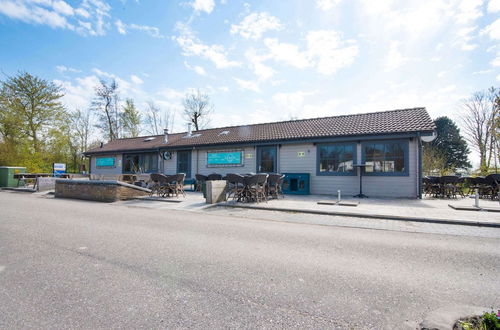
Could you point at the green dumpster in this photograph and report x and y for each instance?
(7, 175)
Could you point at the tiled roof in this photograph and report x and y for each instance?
(386, 122)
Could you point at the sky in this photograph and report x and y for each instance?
(260, 61)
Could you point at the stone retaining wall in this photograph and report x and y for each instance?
(94, 190)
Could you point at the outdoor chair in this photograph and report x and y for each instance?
(236, 186)
(435, 188)
(200, 180)
(213, 177)
(274, 183)
(494, 181)
(470, 184)
(450, 186)
(160, 185)
(256, 185)
(484, 187)
(177, 184)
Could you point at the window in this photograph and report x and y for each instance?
(386, 158)
(140, 163)
(336, 159)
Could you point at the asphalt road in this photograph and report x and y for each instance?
(76, 264)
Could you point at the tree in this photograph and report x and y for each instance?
(157, 119)
(450, 144)
(106, 105)
(433, 162)
(478, 117)
(32, 103)
(80, 133)
(197, 109)
(130, 119)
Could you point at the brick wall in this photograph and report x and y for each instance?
(109, 191)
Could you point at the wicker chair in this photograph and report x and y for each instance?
(256, 186)
(274, 184)
(236, 186)
(494, 181)
(177, 184)
(200, 179)
(449, 186)
(160, 185)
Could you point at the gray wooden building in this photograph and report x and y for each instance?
(328, 150)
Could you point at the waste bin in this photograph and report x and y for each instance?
(7, 175)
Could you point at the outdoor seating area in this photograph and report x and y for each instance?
(251, 187)
(167, 185)
(454, 186)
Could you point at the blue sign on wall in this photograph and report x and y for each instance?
(105, 162)
(233, 158)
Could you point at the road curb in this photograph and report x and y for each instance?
(371, 216)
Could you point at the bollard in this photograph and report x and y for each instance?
(476, 202)
(338, 196)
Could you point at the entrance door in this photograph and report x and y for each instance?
(184, 162)
(267, 159)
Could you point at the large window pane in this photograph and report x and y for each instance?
(388, 157)
(336, 158)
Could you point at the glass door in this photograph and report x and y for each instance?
(267, 159)
(184, 162)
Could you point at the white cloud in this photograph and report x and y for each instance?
(91, 18)
(493, 30)
(63, 8)
(33, 14)
(482, 72)
(151, 30)
(196, 68)
(78, 94)
(120, 27)
(248, 85)
(263, 71)
(493, 6)
(203, 5)
(287, 53)
(498, 77)
(192, 46)
(394, 58)
(256, 24)
(496, 61)
(326, 51)
(327, 4)
(136, 80)
(332, 53)
(64, 69)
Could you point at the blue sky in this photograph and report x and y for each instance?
(260, 61)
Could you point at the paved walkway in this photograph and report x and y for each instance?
(425, 209)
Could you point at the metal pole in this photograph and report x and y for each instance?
(476, 202)
(338, 196)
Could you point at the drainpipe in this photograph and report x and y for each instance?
(419, 162)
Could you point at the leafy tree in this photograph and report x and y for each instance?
(106, 105)
(130, 119)
(433, 162)
(450, 144)
(32, 103)
(197, 109)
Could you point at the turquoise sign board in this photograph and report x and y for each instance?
(224, 158)
(105, 162)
